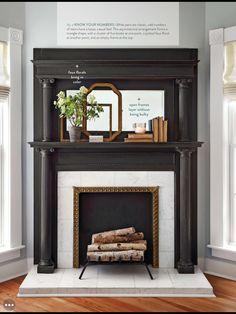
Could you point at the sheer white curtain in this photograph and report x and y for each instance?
(4, 93)
(4, 71)
(230, 70)
(229, 79)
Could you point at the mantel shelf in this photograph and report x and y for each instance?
(113, 146)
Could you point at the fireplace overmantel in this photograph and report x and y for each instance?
(172, 70)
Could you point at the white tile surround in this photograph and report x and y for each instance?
(116, 281)
(68, 179)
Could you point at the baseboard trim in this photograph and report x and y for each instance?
(220, 275)
(15, 269)
(218, 268)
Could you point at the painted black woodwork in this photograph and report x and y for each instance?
(185, 263)
(47, 90)
(172, 70)
(184, 108)
(46, 264)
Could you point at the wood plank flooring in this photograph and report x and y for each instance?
(225, 301)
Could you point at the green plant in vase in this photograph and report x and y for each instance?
(73, 109)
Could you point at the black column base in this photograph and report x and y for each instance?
(45, 269)
(185, 268)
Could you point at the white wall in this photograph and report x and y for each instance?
(12, 14)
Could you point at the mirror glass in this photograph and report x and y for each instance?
(141, 106)
(102, 123)
(137, 106)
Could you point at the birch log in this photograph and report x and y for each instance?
(117, 239)
(117, 247)
(115, 256)
(118, 232)
(141, 241)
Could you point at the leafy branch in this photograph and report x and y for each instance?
(73, 107)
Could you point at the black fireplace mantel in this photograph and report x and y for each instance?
(172, 70)
(115, 156)
(116, 146)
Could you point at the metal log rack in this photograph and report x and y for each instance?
(120, 261)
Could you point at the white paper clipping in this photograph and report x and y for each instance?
(117, 24)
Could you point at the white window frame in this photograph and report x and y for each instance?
(220, 209)
(13, 170)
(232, 170)
(1, 178)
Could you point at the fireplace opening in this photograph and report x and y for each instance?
(99, 209)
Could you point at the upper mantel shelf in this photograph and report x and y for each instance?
(117, 146)
(116, 54)
(115, 64)
(110, 62)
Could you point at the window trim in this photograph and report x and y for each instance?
(13, 243)
(231, 101)
(232, 170)
(219, 149)
(1, 179)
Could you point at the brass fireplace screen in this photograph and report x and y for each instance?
(76, 219)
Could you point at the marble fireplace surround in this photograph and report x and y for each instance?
(68, 179)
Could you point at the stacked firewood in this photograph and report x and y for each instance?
(117, 245)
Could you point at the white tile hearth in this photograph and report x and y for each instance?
(116, 280)
(68, 179)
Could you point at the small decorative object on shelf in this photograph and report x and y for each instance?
(139, 127)
(165, 131)
(95, 138)
(159, 128)
(134, 138)
(74, 109)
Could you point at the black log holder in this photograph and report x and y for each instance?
(99, 262)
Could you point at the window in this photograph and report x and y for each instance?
(1, 174)
(10, 144)
(232, 171)
(229, 79)
(223, 143)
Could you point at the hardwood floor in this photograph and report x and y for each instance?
(225, 301)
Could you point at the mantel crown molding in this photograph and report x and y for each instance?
(216, 36)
